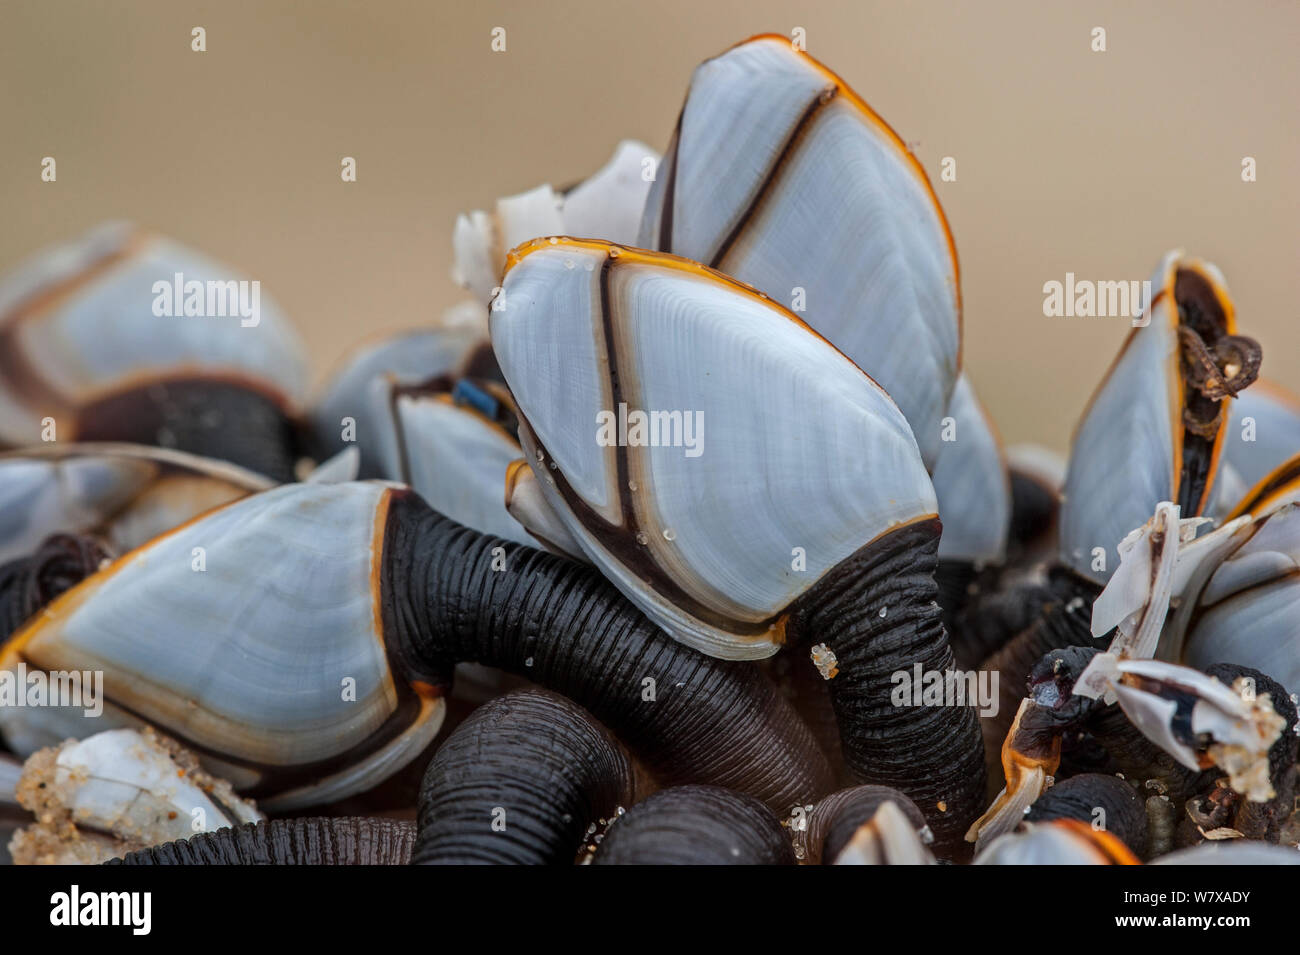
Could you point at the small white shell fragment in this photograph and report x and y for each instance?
(1163, 564)
(468, 314)
(823, 658)
(116, 792)
(1240, 726)
(480, 241)
(1098, 679)
(1137, 595)
(606, 206)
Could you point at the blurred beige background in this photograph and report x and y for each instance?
(1067, 160)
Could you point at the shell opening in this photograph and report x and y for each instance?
(1214, 365)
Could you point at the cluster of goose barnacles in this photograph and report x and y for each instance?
(426, 615)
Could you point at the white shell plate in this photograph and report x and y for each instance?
(799, 449)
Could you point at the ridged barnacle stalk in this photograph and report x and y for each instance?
(695, 825)
(123, 336)
(518, 783)
(803, 514)
(29, 583)
(333, 840)
(303, 640)
(781, 176)
(1100, 800)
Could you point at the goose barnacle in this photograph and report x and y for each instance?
(781, 176)
(339, 612)
(84, 356)
(809, 459)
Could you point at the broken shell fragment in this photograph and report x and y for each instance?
(117, 792)
(607, 206)
(518, 783)
(1193, 717)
